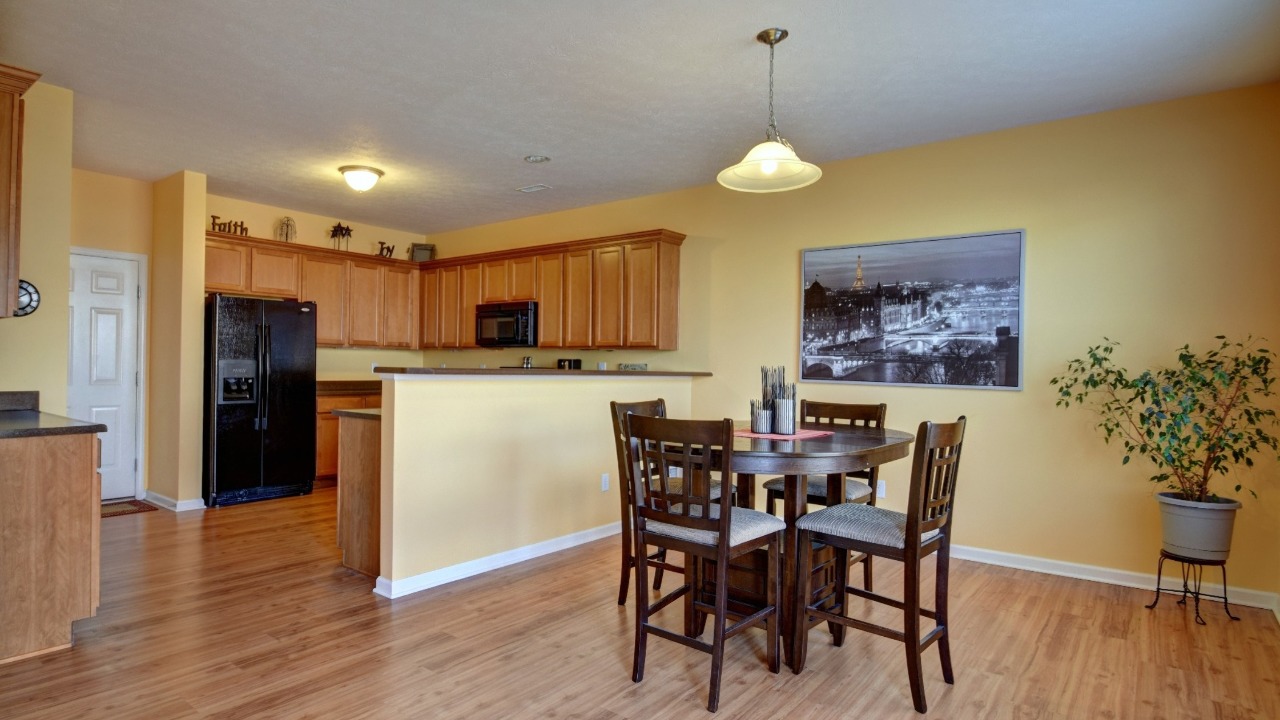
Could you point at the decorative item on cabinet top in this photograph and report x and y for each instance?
(286, 230)
(339, 233)
(231, 227)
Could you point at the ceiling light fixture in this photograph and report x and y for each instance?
(360, 177)
(771, 166)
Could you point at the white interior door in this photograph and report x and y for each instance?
(102, 373)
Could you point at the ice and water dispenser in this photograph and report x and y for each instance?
(235, 381)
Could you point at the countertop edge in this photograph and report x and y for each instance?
(544, 372)
(359, 413)
(33, 423)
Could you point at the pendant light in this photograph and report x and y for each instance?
(771, 166)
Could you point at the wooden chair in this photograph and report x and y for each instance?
(679, 462)
(854, 490)
(924, 530)
(619, 411)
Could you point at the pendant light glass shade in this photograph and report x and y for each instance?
(360, 177)
(769, 167)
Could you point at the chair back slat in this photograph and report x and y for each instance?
(933, 476)
(829, 413)
(679, 462)
(627, 477)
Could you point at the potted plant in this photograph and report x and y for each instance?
(1195, 421)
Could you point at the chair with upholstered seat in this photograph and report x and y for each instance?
(618, 410)
(923, 530)
(861, 490)
(674, 466)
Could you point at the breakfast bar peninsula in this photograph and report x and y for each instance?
(481, 468)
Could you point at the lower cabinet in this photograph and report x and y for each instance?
(49, 540)
(327, 428)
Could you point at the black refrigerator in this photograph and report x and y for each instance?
(259, 399)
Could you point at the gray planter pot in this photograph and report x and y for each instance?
(1197, 530)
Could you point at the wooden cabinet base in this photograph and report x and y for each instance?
(360, 492)
(48, 541)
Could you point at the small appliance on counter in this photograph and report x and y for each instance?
(507, 324)
(569, 364)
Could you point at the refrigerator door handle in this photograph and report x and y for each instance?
(257, 350)
(266, 390)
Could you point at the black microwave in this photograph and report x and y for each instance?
(508, 324)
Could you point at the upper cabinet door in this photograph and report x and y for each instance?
(550, 297)
(522, 278)
(324, 280)
(226, 267)
(471, 288)
(13, 83)
(493, 281)
(451, 306)
(364, 323)
(608, 288)
(273, 272)
(577, 298)
(399, 307)
(429, 309)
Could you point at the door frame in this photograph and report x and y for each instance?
(139, 440)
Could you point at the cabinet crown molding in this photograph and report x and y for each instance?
(16, 80)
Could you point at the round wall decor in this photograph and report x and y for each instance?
(28, 299)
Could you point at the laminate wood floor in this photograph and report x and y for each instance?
(245, 612)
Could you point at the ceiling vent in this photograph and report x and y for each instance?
(534, 188)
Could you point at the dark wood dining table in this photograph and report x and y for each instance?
(846, 449)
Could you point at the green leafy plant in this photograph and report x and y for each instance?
(1196, 420)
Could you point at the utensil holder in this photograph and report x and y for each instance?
(784, 417)
(761, 421)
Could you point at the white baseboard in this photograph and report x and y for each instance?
(1238, 596)
(169, 503)
(399, 588)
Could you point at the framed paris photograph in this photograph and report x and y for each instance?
(943, 311)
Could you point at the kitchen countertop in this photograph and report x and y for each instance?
(33, 423)
(359, 413)
(508, 372)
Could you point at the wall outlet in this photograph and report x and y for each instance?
(879, 488)
(604, 482)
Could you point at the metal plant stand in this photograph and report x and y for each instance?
(1192, 574)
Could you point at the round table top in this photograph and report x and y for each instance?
(848, 448)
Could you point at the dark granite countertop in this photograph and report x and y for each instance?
(359, 413)
(33, 423)
(348, 387)
(536, 371)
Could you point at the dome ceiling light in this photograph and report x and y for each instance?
(360, 177)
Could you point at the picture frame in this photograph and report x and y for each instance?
(932, 312)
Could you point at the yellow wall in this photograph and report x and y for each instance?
(33, 349)
(177, 337)
(312, 229)
(473, 466)
(110, 213)
(1154, 225)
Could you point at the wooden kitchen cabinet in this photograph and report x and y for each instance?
(450, 299)
(364, 320)
(470, 294)
(14, 82)
(651, 291)
(550, 298)
(49, 555)
(327, 428)
(493, 281)
(324, 281)
(522, 278)
(577, 298)
(429, 309)
(273, 272)
(399, 289)
(607, 296)
(226, 267)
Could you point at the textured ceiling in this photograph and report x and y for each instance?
(627, 98)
